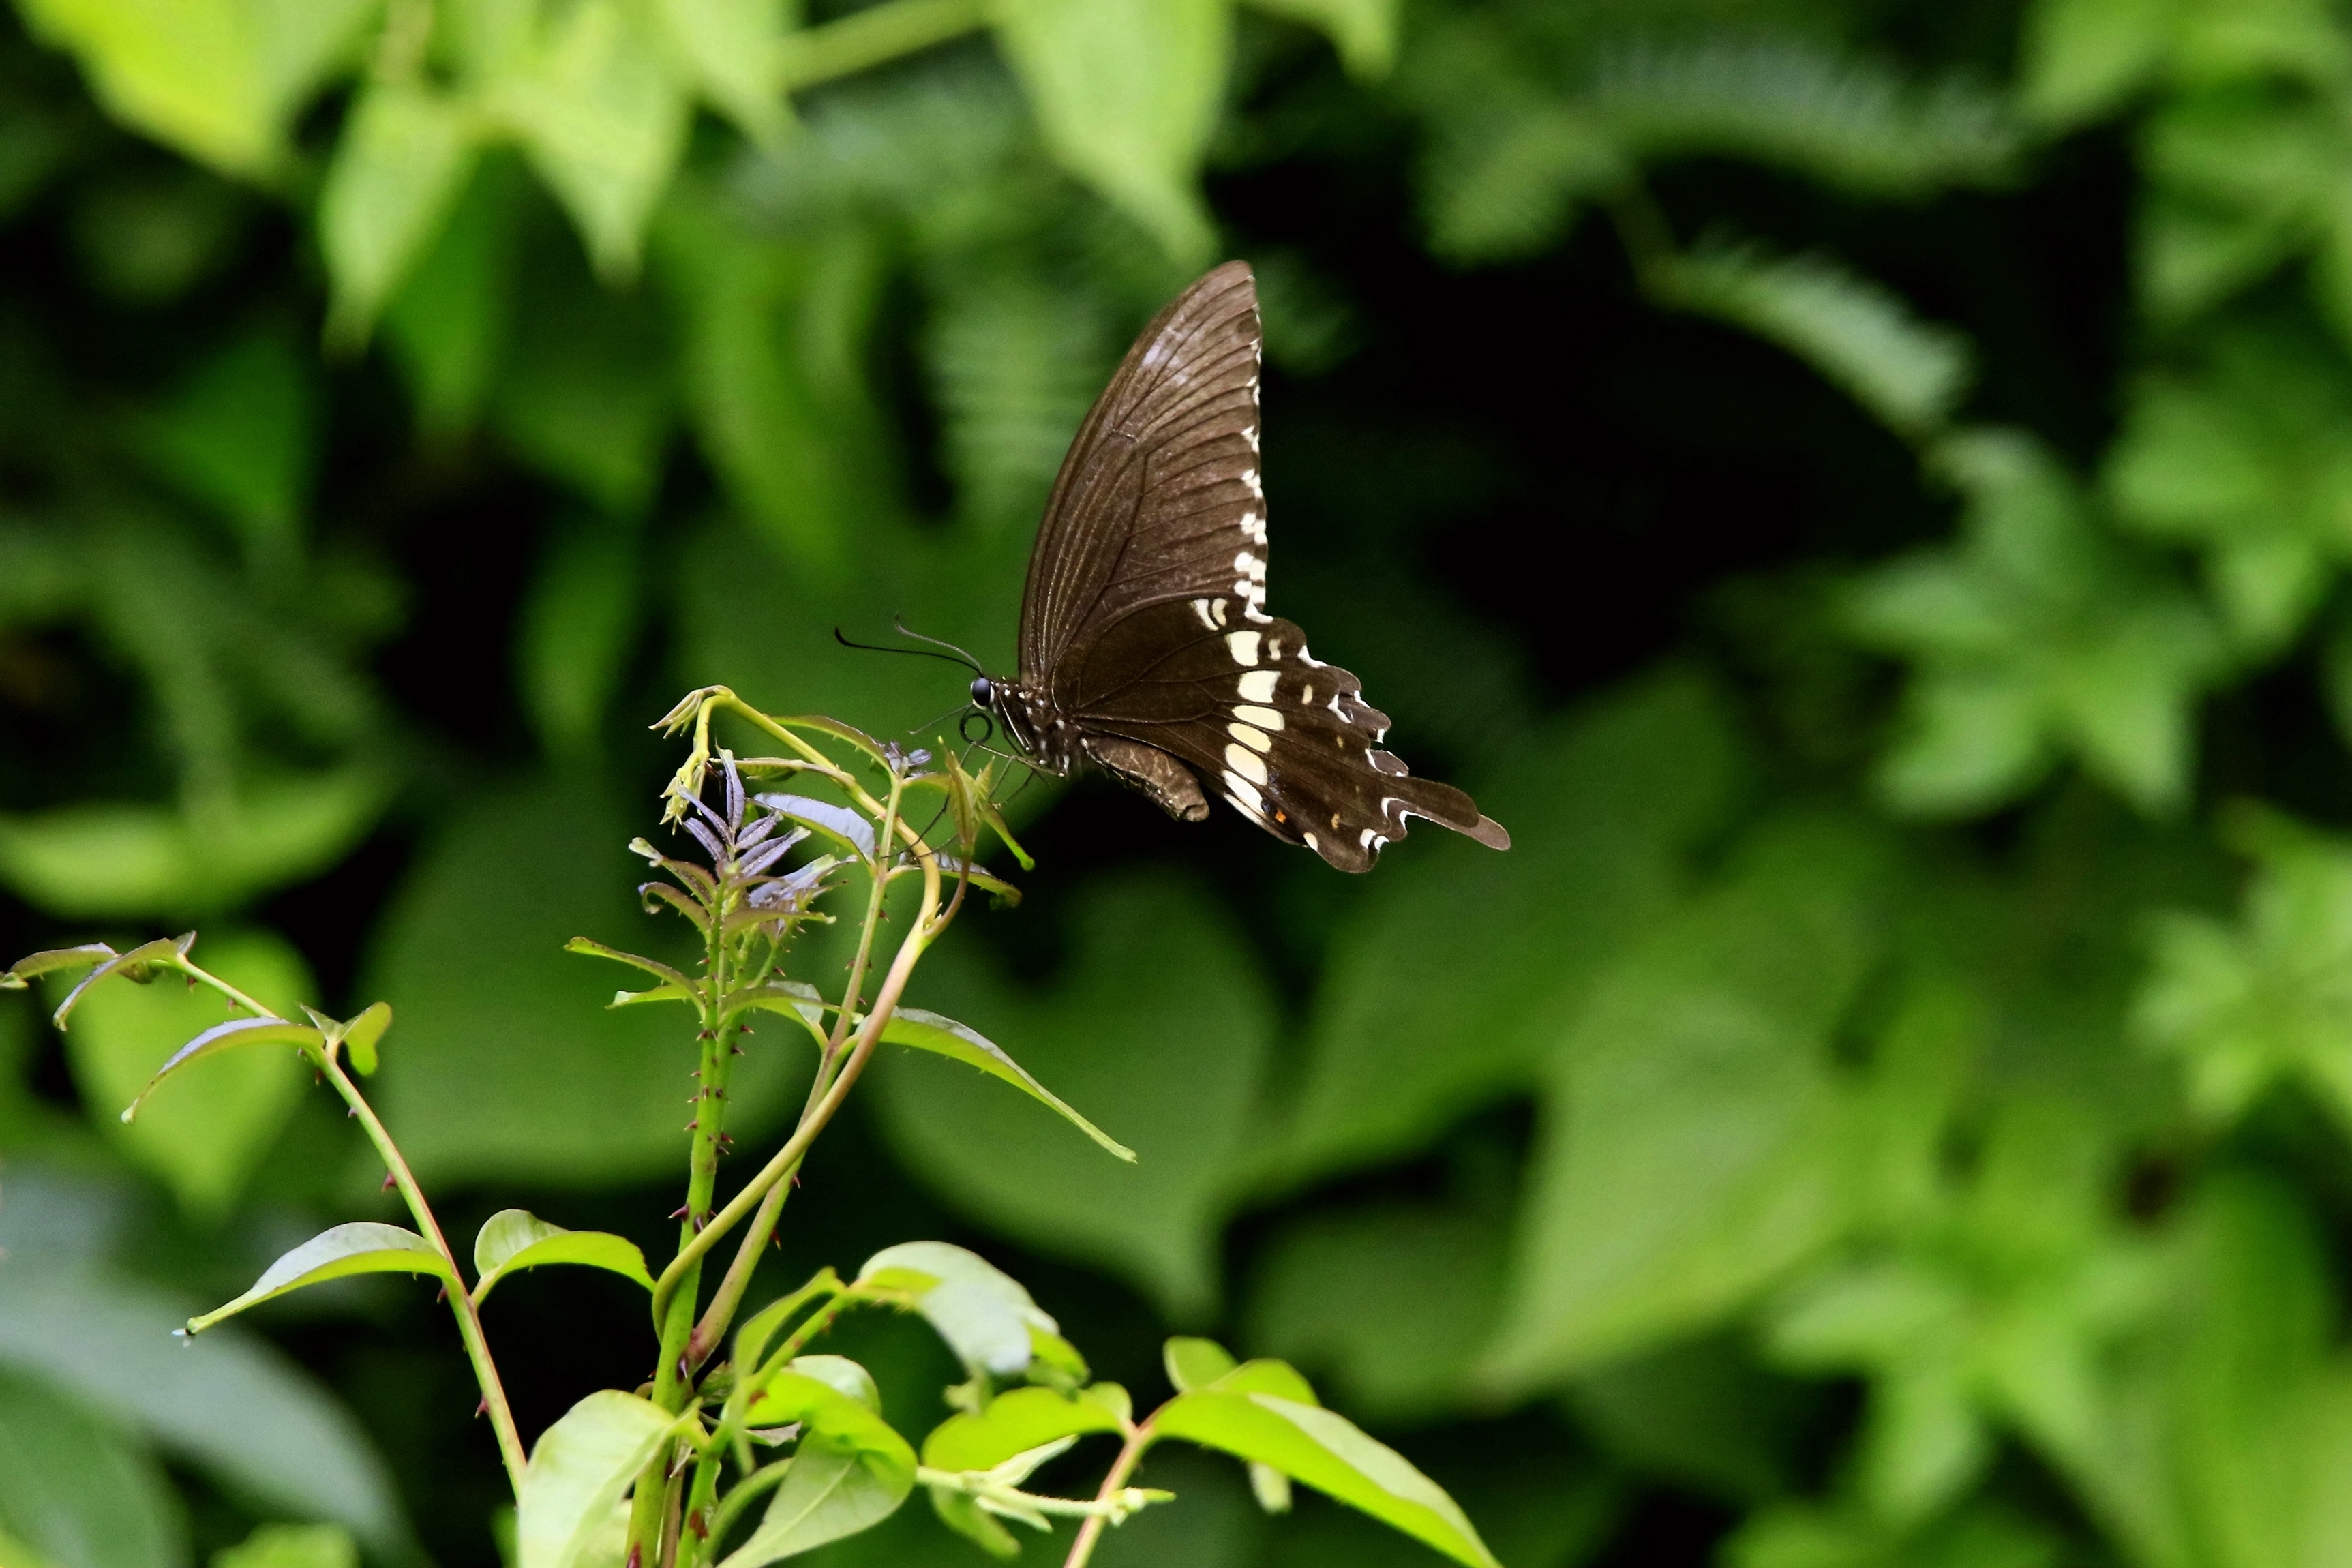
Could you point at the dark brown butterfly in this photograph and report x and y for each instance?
(1145, 643)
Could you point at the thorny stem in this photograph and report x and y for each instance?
(795, 1147)
(461, 1304)
(729, 1295)
(685, 1343)
(813, 1121)
(1083, 1549)
(674, 1315)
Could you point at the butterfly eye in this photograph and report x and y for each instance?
(983, 691)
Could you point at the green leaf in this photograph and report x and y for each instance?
(1980, 1534)
(961, 1512)
(2220, 1440)
(1506, 185)
(364, 1246)
(841, 1375)
(603, 121)
(113, 861)
(1609, 801)
(2242, 179)
(2251, 461)
(219, 79)
(2038, 632)
(2004, 1309)
(2246, 1004)
(361, 1034)
(1195, 1363)
(1365, 31)
(1860, 336)
(405, 157)
(471, 955)
(579, 1470)
(220, 1038)
(586, 396)
(234, 1407)
(1127, 94)
(1326, 1451)
(831, 1419)
(291, 1546)
(1014, 364)
(1701, 1414)
(776, 328)
(1848, 120)
(985, 1314)
(1158, 1003)
(51, 960)
(829, 1492)
(2083, 57)
(1015, 1422)
(924, 1030)
(1689, 1154)
(733, 48)
(136, 966)
(76, 1489)
(580, 624)
(239, 438)
(447, 326)
(205, 1132)
(1388, 1303)
(514, 1240)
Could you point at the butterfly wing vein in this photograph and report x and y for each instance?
(1144, 624)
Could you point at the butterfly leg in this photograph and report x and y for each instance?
(1170, 784)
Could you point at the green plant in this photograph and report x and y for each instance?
(637, 1477)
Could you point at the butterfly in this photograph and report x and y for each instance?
(1145, 648)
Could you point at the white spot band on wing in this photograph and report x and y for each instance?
(1258, 685)
(1246, 762)
(1256, 739)
(1244, 646)
(1263, 717)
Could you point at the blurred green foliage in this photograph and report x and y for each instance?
(1859, 488)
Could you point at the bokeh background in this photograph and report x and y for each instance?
(1857, 487)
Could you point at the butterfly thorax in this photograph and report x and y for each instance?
(1035, 727)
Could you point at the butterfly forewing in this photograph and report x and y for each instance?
(1144, 622)
(1159, 494)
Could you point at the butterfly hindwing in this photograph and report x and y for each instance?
(1287, 740)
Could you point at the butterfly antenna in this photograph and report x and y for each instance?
(938, 642)
(959, 708)
(920, 652)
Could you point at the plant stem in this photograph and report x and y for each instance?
(729, 1294)
(461, 1304)
(814, 1118)
(886, 1004)
(204, 976)
(1082, 1548)
(743, 1494)
(470, 1317)
(869, 38)
(674, 1316)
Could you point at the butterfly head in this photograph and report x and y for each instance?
(984, 692)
